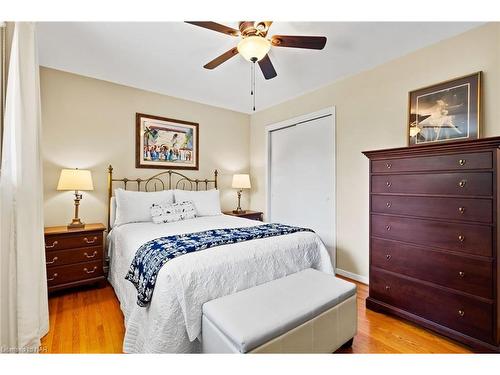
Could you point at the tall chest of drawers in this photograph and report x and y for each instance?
(434, 213)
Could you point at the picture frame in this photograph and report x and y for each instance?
(166, 143)
(445, 112)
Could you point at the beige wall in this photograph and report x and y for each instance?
(89, 123)
(371, 110)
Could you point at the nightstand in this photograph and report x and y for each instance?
(74, 256)
(252, 215)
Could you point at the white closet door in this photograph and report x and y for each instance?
(302, 186)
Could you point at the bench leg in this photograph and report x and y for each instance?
(348, 344)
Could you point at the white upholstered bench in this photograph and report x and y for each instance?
(306, 312)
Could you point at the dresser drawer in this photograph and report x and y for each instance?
(467, 209)
(468, 275)
(71, 241)
(467, 238)
(467, 315)
(479, 160)
(64, 257)
(74, 272)
(467, 184)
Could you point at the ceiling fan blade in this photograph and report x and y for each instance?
(267, 68)
(215, 27)
(297, 41)
(222, 58)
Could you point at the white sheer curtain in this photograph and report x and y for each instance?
(23, 288)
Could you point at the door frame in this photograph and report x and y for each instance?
(328, 111)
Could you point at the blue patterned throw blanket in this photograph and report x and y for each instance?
(151, 256)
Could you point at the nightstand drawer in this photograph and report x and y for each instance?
(71, 241)
(70, 256)
(74, 272)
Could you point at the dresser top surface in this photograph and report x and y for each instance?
(430, 148)
(63, 229)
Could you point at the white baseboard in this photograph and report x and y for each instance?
(353, 276)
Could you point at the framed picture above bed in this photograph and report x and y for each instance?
(447, 111)
(166, 143)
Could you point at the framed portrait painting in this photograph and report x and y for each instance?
(166, 143)
(448, 111)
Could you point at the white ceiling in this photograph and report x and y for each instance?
(168, 57)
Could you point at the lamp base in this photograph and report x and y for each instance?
(76, 224)
(240, 211)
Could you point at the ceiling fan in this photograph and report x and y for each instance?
(254, 44)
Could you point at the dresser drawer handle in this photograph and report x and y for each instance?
(388, 256)
(90, 241)
(53, 277)
(461, 238)
(461, 210)
(388, 183)
(461, 313)
(387, 227)
(387, 287)
(461, 274)
(388, 165)
(388, 204)
(462, 162)
(90, 256)
(54, 244)
(87, 271)
(52, 261)
(462, 183)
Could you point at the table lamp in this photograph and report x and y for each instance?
(240, 182)
(75, 179)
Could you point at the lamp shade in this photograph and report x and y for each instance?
(254, 47)
(75, 179)
(241, 181)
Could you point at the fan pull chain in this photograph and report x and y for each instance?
(254, 93)
(251, 79)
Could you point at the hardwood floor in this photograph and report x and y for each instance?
(90, 321)
(86, 320)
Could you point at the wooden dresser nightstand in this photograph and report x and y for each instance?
(252, 215)
(74, 256)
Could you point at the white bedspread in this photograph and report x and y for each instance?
(172, 321)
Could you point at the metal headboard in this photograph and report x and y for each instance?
(161, 181)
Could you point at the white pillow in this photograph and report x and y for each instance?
(134, 206)
(112, 212)
(206, 203)
(169, 213)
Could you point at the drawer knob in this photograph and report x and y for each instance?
(52, 261)
(461, 274)
(93, 270)
(461, 210)
(54, 244)
(462, 162)
(387, 227)
(388, 165)
(462, 183)
(387, 287)
(90, 256)
(93, 240)
(461, 313)
(388, 204)
(53, 277)
(388, 183)
(461, 238)
(388, 256)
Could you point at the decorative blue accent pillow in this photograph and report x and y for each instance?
(168, 213)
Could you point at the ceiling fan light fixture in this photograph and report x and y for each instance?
(254, 48)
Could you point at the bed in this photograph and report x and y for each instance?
(171, 323)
